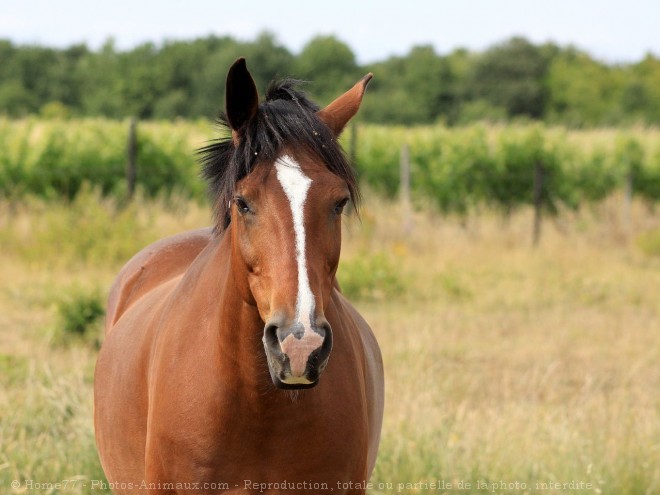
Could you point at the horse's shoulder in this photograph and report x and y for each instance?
(374, 377)
(151, 267)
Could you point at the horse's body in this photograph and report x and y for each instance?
(184, 402)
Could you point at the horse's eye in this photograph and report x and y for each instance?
(339, 207)
(241, 205)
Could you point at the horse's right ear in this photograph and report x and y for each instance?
(337, 114)
(241, 97)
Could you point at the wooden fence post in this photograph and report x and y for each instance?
(406, 210)
(539, 173)
(627, 201)
(131, 157)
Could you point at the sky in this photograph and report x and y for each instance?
(612, 31)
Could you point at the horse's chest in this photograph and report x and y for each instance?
(300, 431)
(295, 441)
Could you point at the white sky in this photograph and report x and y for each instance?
(613, 31)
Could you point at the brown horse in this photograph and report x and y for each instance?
(232, 363)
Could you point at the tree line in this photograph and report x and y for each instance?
(514, 79)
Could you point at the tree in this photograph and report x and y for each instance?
(187, 78)
(640, 96)
(329, 64)
(583, 91)
(268, 60)
(512, 75)
(417, 88)
(100, 82)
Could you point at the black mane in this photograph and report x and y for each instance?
(286, 118)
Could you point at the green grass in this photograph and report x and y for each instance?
(504, 364)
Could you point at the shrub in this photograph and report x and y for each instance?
(370, 277)
(79, 316)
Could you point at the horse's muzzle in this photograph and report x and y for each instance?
(297, 355)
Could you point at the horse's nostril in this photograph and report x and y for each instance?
(270, 335)
(323, 328)
(327, 338)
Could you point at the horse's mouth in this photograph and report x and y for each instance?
(285, 381)
(295, 385)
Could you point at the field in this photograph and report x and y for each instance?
(509, 369)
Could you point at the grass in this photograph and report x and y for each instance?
(505, 365)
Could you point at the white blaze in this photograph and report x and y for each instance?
(296, 184)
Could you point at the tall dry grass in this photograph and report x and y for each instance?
(519, 368)
(505, 365)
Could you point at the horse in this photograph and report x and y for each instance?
(232, 362)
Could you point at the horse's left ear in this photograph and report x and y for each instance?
(337, 114)
(241, 98)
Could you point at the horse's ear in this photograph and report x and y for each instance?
(241, 97)
(337, 114)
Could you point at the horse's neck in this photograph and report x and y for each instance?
(234, 324)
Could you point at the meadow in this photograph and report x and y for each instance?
(509, 369)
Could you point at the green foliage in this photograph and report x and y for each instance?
(329, 64)
(462, 167)
(519, 153)
(454, 168)
(511, 75)
(481, 110)
(417, 88)
(55, 158)
(377, 161)
(451, 167)
(371, 277)
(644, 170)
(511, 79)
(641, 93)
(583, 91)
(596, 177)
(80, 315)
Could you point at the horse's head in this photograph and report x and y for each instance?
(281, 183)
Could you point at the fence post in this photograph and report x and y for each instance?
(131, 157)
(539, 173)
(404, 192)
(627, 201)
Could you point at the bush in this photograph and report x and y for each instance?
(79, 317)
(371, 277)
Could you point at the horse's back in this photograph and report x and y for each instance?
(151, 267)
